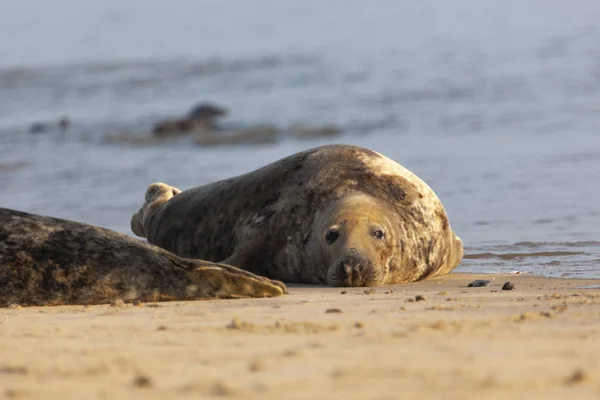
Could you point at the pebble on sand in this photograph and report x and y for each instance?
(142, 381)
(257, 365)
(577, 376)
(479, 283)
(508, 286)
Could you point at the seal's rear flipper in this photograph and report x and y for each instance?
(457, 253)
(157, 194)
(215, 281)
(136, 225)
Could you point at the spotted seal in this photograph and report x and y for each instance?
(50, 261)
(339, 215)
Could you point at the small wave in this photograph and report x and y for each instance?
(512, 256)
(574, 158)
(97, 75)
(520, 246)
(589, 243)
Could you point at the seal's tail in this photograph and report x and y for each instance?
(157, 194)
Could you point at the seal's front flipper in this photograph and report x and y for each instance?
(215, 281)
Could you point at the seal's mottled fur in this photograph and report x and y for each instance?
(50, 261)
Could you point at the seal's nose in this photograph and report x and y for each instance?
(351, 268)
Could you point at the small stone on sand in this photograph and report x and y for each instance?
(142, 381)
(256, 366)
(577, 376)
(479, 283)
(333, 311)
(13, 370)
(508, 286)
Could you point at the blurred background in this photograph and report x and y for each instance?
(496, 105)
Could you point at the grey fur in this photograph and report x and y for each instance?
(50, 261)
(270, 221)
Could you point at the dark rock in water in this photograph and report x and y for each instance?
(179, 127)
(10, 167)
(40, 127)
(479, 283)
(64, 123)
(508, 286)
(206, 111)
(200, 118)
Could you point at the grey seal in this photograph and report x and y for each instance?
(339, 215)
(51, 261)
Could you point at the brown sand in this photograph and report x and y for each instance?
(541, 340)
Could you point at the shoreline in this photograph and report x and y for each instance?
(539, 340)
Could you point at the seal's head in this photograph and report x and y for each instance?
(357, 241)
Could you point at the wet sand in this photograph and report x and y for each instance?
(540, 340)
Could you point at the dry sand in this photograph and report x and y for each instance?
(541, 340)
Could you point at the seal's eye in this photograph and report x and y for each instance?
(332, 236)
(378, 234)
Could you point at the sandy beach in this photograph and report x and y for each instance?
(540, 340)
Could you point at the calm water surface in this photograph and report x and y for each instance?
(496, 105)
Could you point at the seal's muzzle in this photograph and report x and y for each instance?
(354, 269)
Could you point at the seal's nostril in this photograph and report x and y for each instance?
(347, 269)
(356, 273)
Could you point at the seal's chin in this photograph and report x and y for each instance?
(352, 270)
